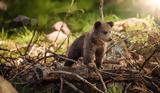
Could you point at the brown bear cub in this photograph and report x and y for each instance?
(92, 45)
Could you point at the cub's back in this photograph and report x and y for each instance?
(77, 44)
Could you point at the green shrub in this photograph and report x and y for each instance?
(114, 89)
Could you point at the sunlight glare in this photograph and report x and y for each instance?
(155, 3)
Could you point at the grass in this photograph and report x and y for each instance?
(3, 34)
(23, 37)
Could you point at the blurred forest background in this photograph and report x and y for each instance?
(78, 14)
(20, 18)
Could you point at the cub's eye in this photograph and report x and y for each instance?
(105, 32)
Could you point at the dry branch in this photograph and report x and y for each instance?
(77, 76)
(70, 74)
(151, 55)
(101, 79)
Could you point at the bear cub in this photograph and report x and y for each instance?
(91, 46)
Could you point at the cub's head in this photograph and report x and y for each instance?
(102, 30)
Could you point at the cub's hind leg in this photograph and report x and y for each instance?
(72, 57)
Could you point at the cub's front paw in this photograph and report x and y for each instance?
(91, 65)
(100, 67)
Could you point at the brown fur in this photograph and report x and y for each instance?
(6, 87)
(91, 46)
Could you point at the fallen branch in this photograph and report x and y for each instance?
(79, 77)
(101, 79)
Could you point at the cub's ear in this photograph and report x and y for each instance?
(110, 23)
(97, 24)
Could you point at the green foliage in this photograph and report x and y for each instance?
(20, 35)
(34, 89)
(33, 8)
(49, 11)
(39, 9)
(112, 17)
(114, 89)
(3, 34)
(137, 32)
(24, 36)
(84, 25)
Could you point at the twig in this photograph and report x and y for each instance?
(158, 61)
(127, 87)
(73, 86)
(45, 54)
(101, 79)
(18, 50)
(36, 74)
(5, 49)
(146, 61)
(79, 77)
(20, 72)
(54, 55)
(65, 58)
(150, 84)
(68, 41)
(61, 86)
(4, 58)
(68, 11)
(58, 35)
(61, 45)
(29, 45)
(101, 9)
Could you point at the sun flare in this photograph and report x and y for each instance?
(155, 3)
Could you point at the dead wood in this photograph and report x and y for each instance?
(70, 74)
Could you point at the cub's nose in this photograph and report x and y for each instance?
(110, 39)
(105, 33)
